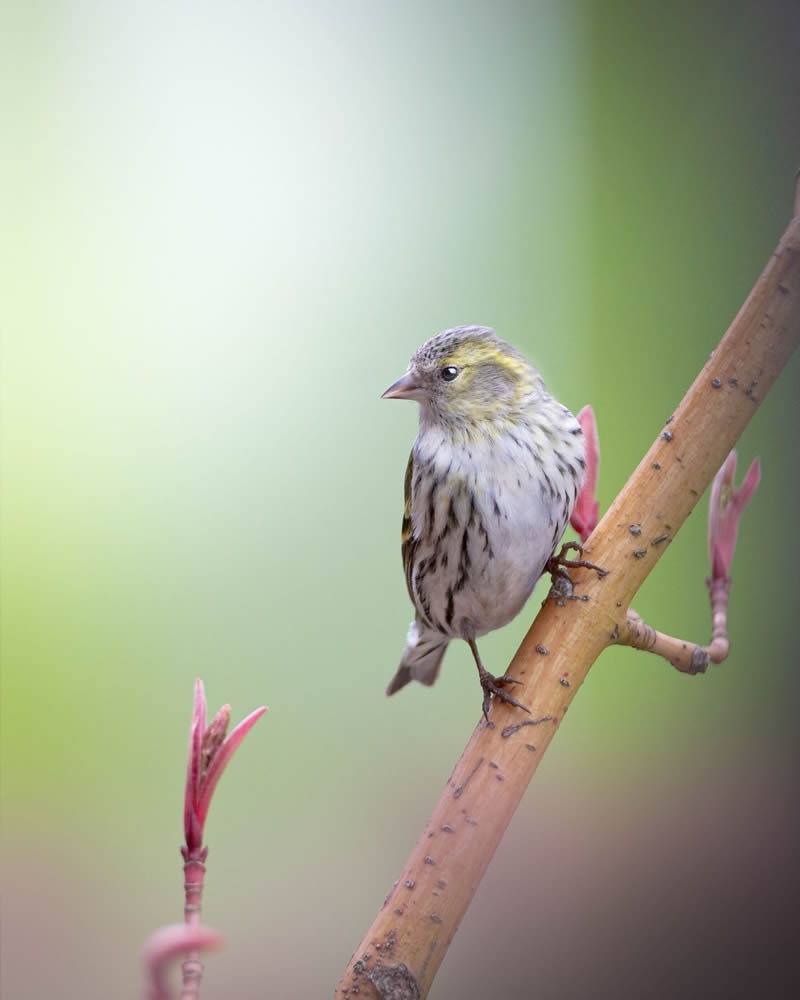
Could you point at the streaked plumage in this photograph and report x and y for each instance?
(490, 484)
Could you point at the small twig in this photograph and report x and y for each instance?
(166, 945)
(725, 509)
(194, 872)
(687, 657)
(210, 750)
(718, 591)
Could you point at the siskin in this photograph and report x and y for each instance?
(490, 485)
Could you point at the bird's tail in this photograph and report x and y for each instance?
(422, 657)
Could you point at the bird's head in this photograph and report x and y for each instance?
(467, 375)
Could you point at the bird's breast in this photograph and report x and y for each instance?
(485, 526)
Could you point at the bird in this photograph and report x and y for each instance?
(493, 476)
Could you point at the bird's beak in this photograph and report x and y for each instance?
(404, 388)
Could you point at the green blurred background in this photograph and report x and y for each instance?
(226, 227)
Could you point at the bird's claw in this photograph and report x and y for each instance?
(557, 566)
(494, 686)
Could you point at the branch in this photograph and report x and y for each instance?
(718, 592)
(687, 657)
(166, 945)
(210, 750)
(402, 950)
(725, 508)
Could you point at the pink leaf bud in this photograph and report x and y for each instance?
(587, 510)
(209, 752)
(192, 832)
(219, 761)
(725, 507)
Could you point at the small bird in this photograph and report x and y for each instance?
(491, 481)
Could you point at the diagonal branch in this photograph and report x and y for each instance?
(402, 950)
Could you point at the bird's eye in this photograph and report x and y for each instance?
(449, 373)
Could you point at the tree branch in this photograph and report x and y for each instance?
(687, 657)
(718, 592)
(402, 950)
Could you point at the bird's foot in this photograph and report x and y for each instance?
(557, 566)
(561, 585)
(494, 686)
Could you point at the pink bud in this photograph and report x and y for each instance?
(209, 752)
(219, 761)
(192, 831)
(587, 510)
(725, 507)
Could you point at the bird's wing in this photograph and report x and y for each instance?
(408, 541)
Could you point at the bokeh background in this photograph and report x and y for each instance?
(226, 227)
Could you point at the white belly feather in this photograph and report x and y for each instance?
(487, 516)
